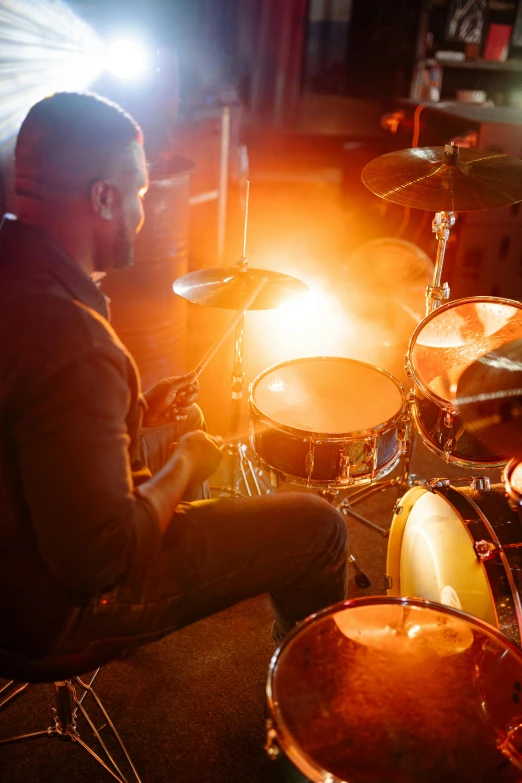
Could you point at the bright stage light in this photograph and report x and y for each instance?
(312, 324)
(128, 59)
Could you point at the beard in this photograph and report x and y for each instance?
(119, 254)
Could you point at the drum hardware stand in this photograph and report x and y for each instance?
(442, 223)
(361, 580)
(240, 464)
(436, 293)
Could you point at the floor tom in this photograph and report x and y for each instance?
(386, 689)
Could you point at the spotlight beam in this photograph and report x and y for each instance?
(44, 47)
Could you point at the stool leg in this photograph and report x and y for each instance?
(64, 711)
(64, 714)
(15, 688)
(105, 714)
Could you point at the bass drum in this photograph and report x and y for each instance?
(461, 547)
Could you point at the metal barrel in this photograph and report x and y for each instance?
(149, 319)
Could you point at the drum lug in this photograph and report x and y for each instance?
(480, 483)
(344, 466)
(407, 366)
(449, 418)
(272, 748)
(310, 460)
(388, 582)
(449, 448)
(438, 483)
(485, 550)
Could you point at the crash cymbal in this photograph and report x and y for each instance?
(230, 287)
(446, 179)
(489, 397)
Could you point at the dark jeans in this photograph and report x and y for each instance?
(216, 553)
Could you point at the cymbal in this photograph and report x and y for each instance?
(230, 287)
(445, 179)
(489, 398)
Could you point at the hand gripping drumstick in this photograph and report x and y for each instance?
(217, 345)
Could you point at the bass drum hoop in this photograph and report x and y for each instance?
(278, 732)
(395, 541)
(326, 437)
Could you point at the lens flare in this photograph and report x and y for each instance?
(44, 48)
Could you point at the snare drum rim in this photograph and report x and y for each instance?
(326, 436)
(446, 405)
(277, 723)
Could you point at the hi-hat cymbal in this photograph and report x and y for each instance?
(446, 179)
(231, 287)
(489, 397)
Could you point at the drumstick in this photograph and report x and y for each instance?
(217, 345)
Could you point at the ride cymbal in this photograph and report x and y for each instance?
(489, 397)
(230, 287)
(445, 179)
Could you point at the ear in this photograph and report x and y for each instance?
(103, 199)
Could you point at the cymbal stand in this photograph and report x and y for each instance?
(442, 223)
(436, 293)
(240, 464)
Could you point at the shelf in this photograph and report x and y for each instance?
(482, 65)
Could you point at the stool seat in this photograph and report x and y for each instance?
(63, 666)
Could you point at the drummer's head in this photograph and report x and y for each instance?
(80, 176)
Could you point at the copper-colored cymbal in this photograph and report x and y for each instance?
(489, 397)
(230, 287)
(446, 179)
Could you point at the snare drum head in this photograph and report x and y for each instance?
(327, 395)
(451, 338)
(386, 689)
(431, 555)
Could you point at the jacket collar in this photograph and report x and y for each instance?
(21, 243)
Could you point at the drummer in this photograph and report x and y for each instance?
(98, 546)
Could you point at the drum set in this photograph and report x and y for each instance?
(452, 618)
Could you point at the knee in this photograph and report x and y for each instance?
(327, 522)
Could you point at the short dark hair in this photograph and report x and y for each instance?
(69, 140)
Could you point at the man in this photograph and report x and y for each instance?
(95, 551)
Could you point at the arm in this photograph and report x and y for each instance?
(196, 457)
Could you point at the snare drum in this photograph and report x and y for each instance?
(327, 421)
(444, 344)
(461, 547)
(385, 689)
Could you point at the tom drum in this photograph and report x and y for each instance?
(444, 344)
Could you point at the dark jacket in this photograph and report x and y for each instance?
(70, 523)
